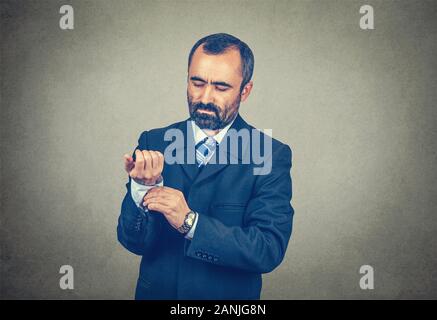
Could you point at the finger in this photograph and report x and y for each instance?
(148, 201)
(162, 196)
(157, 206)
(160, 166)
(163, 189)
(128, 162)
(171, 191)
(169, 203)
(139, 165)
(147, 164)
(157, 190)
(165, 192)
(155, 163)
(158, 163)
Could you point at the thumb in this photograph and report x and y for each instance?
(128, 163)
(128, 158)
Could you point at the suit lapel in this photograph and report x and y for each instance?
(188, 162)
(225, 152)
(187, 158)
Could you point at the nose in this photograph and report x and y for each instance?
(207, 95)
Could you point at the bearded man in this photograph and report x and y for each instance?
(208, 228)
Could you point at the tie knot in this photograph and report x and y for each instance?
(208, 141)
(205, 149)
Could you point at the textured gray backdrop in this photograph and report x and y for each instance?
(357, 107)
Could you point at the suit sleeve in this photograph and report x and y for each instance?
(137, 230)
(260, 244)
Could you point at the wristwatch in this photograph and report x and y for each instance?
(188, 222)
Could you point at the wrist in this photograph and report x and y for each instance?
(150, 182)
(188, 222)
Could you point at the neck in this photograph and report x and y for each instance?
(210, 133)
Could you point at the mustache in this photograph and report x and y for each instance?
(207, 107)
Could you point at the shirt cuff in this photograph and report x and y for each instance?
(190, 233)
(138, 191)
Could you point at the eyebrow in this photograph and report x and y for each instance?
(216, 83)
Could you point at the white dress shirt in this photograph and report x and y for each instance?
(138, 191)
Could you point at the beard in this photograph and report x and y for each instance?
(216, 119)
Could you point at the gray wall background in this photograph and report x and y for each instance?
(357, 107)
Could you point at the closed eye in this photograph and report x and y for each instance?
(221, 88)
(198, 84)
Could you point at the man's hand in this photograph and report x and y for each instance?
(147, 168)
(170, 202)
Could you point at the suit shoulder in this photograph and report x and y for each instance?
(157, 134)
(277, 145)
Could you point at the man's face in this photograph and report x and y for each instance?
(213, 90)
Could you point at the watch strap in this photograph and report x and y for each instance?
(186, 226)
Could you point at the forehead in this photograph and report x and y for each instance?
(223, 66)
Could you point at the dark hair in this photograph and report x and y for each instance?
(220, 42)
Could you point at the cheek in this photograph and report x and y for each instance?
(225, 98)
(193, 93)
(232, 102)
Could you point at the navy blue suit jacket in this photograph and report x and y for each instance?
(245, 223)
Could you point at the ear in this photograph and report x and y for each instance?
(246, 91)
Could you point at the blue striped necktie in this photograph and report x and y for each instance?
(205, 150)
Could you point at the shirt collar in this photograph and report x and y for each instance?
(199, 134)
